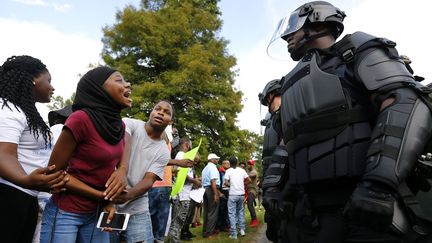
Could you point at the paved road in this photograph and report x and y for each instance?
(261, 237)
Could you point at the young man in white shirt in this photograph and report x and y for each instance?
(235, 179)
(182, 200)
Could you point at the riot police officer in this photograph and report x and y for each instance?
(353, 124)
(270, 97)
(278, 216)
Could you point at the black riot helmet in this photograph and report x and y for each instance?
(306, 16)
(272, 86)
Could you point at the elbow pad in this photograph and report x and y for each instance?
(276, 176)
(398, 138)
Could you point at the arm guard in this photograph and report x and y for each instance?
(401, 129)
(276, 176)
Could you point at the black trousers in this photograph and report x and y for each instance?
(223, 219)
(19, 215)
(211, 211)
(189, 217)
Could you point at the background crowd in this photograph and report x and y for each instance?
(56, 179)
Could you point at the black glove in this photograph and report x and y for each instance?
(272, 200)
(372, 205)
(273, 225)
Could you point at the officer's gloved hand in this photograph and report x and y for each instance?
(272, 227)
(272, 200)
(272, 203)
(371, 204)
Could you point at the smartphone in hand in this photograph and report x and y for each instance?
(119, 221)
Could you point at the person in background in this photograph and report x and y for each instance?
(252, 192)
(235, 178)
(185, 232)
(25, 146)
(175, 142)
(242, 165)
(56, 120)
(94, 178)
(182, 200)
(196, 220)
(223, 220)
(159, 194)
(211, 182)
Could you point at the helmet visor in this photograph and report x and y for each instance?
(287, 25)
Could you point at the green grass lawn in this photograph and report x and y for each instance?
(222, 237)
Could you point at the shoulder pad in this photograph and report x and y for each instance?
(352, 44)
(376, 69)
(359, 38)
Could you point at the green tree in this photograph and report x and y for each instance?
(58, 102)
(170, 49)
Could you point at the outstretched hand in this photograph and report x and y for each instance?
(45, 179)
(185, 163)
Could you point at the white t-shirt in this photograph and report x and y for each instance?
(147, 155)
(236, 177)
(31, 152)
(55, 133)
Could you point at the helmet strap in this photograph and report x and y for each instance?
(299, 49)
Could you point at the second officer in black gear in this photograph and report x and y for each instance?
(270, 97)
(353, 123)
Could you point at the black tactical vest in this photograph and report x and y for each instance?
(324, 121)
(271, 140)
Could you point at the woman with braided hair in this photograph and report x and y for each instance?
(24, 146)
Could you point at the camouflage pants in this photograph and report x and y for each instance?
(179, 214)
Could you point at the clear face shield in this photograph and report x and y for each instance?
(277, 49)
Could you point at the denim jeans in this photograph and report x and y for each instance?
(236, 213)
(159, 206)
(67, 227)
(139, 229)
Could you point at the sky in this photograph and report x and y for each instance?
(66, 36)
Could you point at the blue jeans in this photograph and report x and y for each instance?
(67, 227)
(236, 213)
(159, 206)
(139, 229)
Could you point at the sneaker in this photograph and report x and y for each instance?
(234, 237)
(189, 234)
(242, 233)
(185, 238)
(254, 223)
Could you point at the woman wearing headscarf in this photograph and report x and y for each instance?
(24, 145)
(90, 147)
